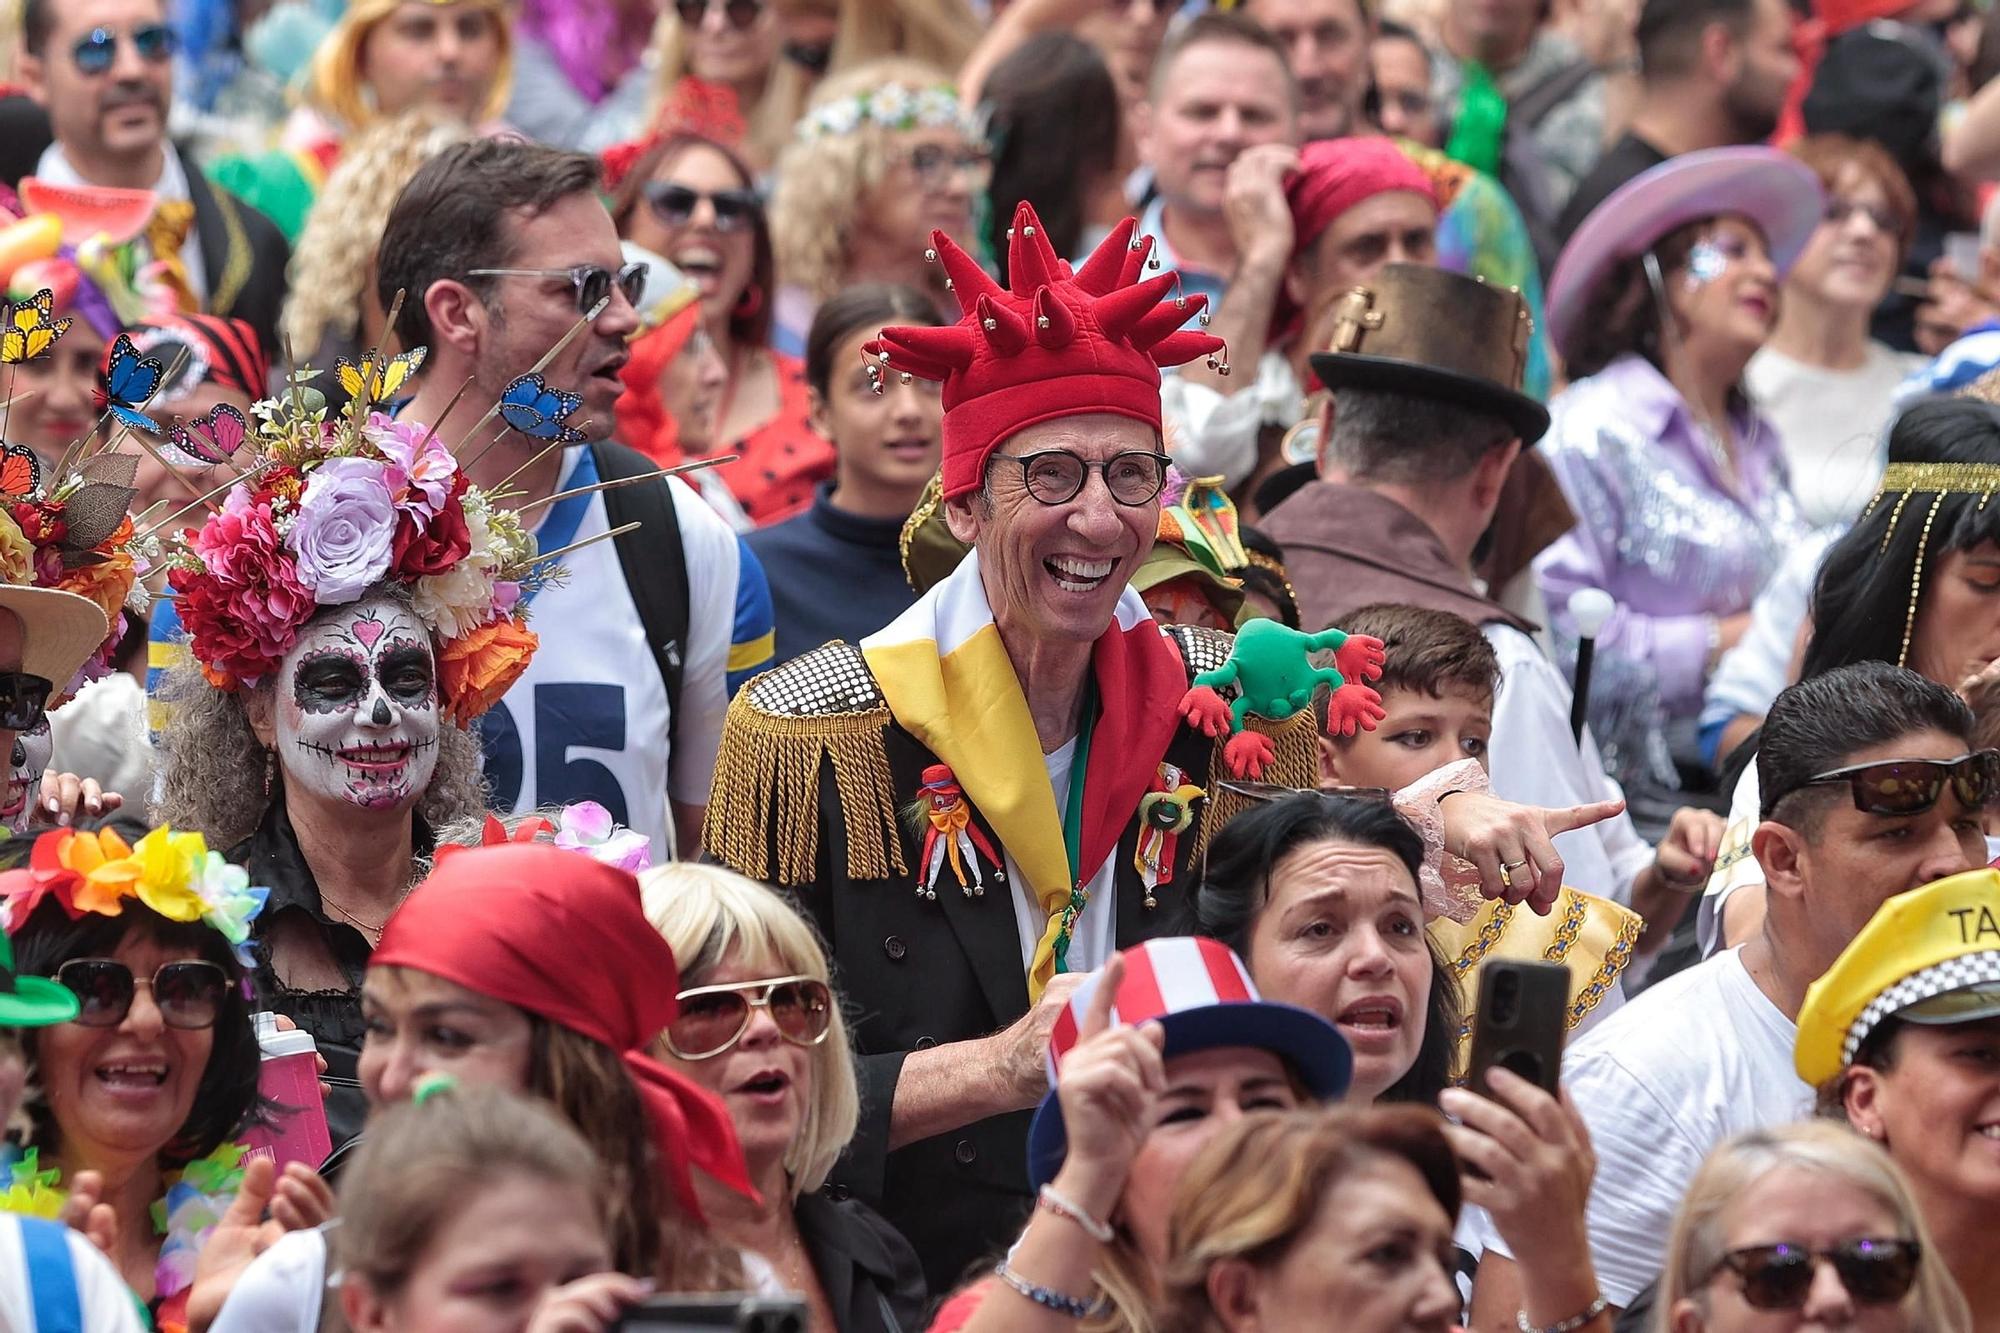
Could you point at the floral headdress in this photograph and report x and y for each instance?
(583, 826)
(329, 509)
(175, 874)
(891, 106)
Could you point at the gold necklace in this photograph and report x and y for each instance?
(373, 933)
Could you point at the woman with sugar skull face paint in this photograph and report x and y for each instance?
(349, 615)
(1683, 505)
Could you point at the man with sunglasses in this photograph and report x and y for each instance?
(1871, 787)
(103, 71)
(507, 258)
(963, 800)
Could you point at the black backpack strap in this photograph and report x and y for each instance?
(1533, 106)
(654, 562)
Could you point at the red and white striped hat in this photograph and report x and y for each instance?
(1201, 995)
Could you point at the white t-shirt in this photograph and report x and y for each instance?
(1093, 936)
(106, 1301)
(1536, 761)
(595, 684)
(1697, 1058)
(1831, 424)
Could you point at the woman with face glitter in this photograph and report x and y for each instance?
(1683, 504)
(349, 615)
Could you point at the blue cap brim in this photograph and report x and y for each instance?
(1313, 1048)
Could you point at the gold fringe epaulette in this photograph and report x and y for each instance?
(781, 731)
(1296, 763)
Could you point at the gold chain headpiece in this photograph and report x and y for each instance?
(1938, 479)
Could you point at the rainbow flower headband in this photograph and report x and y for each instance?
(174, 874)
(893, 106)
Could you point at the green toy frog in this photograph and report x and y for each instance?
(1272, 669)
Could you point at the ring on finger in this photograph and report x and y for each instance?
(1514, 865)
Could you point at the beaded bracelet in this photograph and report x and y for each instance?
(1569, 1325)
(1067, 1306)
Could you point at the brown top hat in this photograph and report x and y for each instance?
(1429, 333)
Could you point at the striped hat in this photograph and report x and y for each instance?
(1201, 995)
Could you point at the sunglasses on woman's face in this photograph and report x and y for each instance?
(24, 700)
(714, 1018)
(1898, 787)
(741, 14)
(1875, 1271)
(674, 205)
(188, 994)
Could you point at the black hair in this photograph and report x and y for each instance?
(225, 1101)
(1669, 32)
(1235, 890)
(1816, 725)
(1391, 30)
(1053, 122)
(867, 305)
(1861, 599)
(1265, 581)
(453, 217)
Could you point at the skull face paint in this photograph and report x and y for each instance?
(357, 706)
(30, 759)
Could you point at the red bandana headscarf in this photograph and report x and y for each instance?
(1052, 344)
(1333, 176)
(565, 937)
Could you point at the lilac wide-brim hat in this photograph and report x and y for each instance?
(1774, 190)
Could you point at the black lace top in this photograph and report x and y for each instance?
(272, 856)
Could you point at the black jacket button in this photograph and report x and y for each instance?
(895, 948)
(925, 1043)
(965, 1152)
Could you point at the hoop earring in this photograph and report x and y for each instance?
(749, 303)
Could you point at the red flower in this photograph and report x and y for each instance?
(243, 610)
(42, 524)
(435, 547)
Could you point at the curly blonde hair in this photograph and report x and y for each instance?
(333, 267)
(823, 183)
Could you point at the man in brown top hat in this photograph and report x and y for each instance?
(1426, 420)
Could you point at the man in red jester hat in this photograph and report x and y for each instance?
(957, 798)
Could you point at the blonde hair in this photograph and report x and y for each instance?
(1696, 1246)
(1256, 1187)
(705, 913)
(333, 268)
(767, 125)
(823, 183)
(333, 79)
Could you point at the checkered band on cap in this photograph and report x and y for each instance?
(1162, 977)
(1952, 974)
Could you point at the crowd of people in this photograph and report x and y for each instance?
(1153, 666)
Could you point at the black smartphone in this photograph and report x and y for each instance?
(1519, 1023)
(731, 1311)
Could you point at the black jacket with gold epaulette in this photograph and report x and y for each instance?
(809, 787)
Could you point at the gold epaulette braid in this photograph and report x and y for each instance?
(780, 731)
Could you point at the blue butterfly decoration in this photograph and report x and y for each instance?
(530, 406)
(127, 382)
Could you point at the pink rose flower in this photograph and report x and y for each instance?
(420, 471)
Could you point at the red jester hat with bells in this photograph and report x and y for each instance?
(1059, 344)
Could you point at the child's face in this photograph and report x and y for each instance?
(1421, 733)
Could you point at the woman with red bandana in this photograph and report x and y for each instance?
(533, 968)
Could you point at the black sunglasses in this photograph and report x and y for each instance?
(189, 994)
(1912, 786)
(675, 204)
(1875, 1271)
(1057, 476)
(593, 282)
(740, 13)
(97, 50)
(24, 700)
